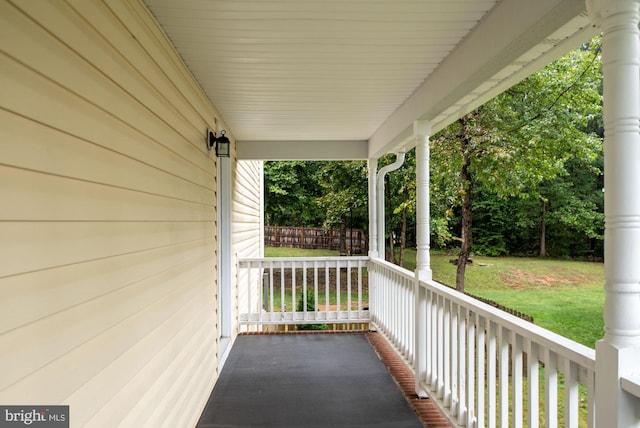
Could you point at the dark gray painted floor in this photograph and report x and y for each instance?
(310, 380)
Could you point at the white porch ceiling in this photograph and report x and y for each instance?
(345, 79)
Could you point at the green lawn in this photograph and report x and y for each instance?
(566, 297)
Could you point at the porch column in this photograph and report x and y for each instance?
(618, 353)
(372, 164)
(421, 133)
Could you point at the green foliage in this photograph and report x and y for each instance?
(539, 142)
(291, 189)
(311, 307)
(344, 194)
(490, 218)
(316, 194)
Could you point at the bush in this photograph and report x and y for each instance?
(311, 307)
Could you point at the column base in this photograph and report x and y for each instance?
(614, 406)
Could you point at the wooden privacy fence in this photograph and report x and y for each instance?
(314, 238)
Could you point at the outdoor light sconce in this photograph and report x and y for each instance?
(222, 143)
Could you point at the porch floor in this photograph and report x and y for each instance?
(308, 380)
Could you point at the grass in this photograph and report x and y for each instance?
(566, 297)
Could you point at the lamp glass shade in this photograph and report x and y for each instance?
(223, 147)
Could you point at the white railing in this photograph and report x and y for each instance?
(393, 306)
(483, 366)
(274, 291)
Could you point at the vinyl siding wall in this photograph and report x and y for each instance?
(248, 225)
(108, 279)
(248, 192)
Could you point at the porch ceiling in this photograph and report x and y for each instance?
(345, 79)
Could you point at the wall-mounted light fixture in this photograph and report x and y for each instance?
(222, 143)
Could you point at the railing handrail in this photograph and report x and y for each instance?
(402, 271)
(303, 259)
(466, 354)
(336, 281)
(561, 345)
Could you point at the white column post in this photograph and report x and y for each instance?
(618, 354)
(421, 133)
(372, 165)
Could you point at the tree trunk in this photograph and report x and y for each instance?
(543, 230)
(343, 236)
(403, 230)
(465, 177)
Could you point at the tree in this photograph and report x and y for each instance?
(344, 196)
(520, 139)
(292, 187)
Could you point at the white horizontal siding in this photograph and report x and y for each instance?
(248, 225)
(108, 283)
(248, 239)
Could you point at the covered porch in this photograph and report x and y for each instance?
(133, 254)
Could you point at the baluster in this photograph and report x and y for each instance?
(431, 339)
(360, 308)
(455, 408)
(422, 344)
(570, 393)
(439, 351)
(316, 299)
(462, 362)
(338, 290)
(283, 295)
(271, 293)
(471, 361)
(394, 310)
(304, 291)
(492, 355)
(446, 354)
(503, 337)
(532, 375)
(250, 281)
(516, 376)
(550, 389)
(293, 291)
(327, 289)
(480, 352)
(591, 403)
(349, 289)
(435, 380)
(411, 319)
